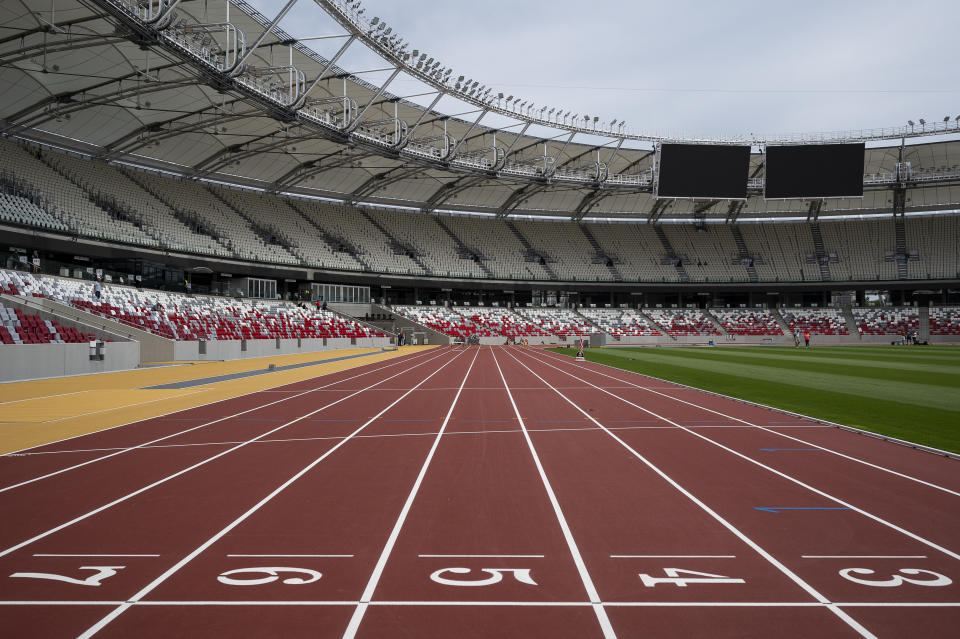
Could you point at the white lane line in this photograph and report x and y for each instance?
(545, 604)
(182, 432)
(863, 556)
(189, 468)
(394, 361)
(673, 556)
(41, 554)
(588, 585)
(28, 399)
(483, 556)
(776, 472)
(299, 556)
(780, 434)
(374, 580)
(236, 522)
(813, 592)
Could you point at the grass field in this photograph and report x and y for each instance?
(911, 393)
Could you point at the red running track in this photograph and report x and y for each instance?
(487, 492)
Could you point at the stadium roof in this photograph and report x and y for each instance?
(217, 93)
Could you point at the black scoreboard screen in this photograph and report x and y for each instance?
(703, 171)
(814, 171)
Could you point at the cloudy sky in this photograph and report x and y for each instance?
(684, 67)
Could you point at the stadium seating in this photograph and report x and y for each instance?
(87, 198)
(502, 322)
(747, 321)
(189, 318)
(17, 327)
(561, 322)
(887, 321)
(816, 321)
(945, 320)
(443, 320)
(620, 322)
(683, 322)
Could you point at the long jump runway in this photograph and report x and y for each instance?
(486, 492)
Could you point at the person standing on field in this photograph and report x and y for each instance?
(806, 338)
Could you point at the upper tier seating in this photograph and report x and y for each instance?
(502, 322)
(619, 322)
(747, 321)
(816, 321)
(683, 322)
(443, 320)
(887, 321)
(561, 322)
(17, 327)
(188, 318)
(945, 320)
(91, 199)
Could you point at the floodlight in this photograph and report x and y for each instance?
(910, 122)
(388, 31)
(381, 26)
(500, 96)
(416, 52)
(460, 79)
(375, 21)
(922, 121)
(946, 118)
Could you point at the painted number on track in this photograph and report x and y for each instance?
(495, 575)
(267, 575)
(674, 577)
(928, 577)
(102, 572)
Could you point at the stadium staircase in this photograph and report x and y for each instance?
(463, 248)
(274, 238)
(397, 323)
(599, 252)
(901, 249)
(335, 244)
(710, 316)
(678, 264)
(192, 219)
(396, 245)
(782, 323)
(744, 254)
(820, 252)
(924, 328)
(657, 325)
(530, 251)
(851, 321)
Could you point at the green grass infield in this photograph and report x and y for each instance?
(907, 392)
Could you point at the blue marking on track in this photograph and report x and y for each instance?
(777, 509)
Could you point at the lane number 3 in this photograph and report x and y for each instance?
(917, 577)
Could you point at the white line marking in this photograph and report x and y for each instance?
(863, 556)
(583, 604)
(194, 466)
(182, 432)
(673, 556)
(783, 475)
(27, 399)
(716, 516)
(217, 401)
(592, 593)
(374, 580)
(776, 432)
(236, 522)
(91, 555)
(484, 556)
(301, 556)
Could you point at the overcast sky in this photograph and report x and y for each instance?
(684, 67)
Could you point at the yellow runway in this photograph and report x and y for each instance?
(43, 411)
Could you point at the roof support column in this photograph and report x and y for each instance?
(232, 71)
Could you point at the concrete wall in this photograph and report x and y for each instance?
(34, 361)
(232, 349)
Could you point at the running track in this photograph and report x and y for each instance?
(487, 492)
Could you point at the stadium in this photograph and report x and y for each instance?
(306, 333)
